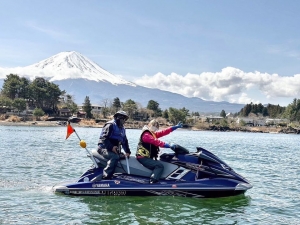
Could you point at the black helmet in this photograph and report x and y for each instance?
(121, 113)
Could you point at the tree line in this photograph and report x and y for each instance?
(136, 111)
(291, 112)
(20, 92)
(47, 98)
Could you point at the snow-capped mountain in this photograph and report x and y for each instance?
(69, 65)
(81, 77)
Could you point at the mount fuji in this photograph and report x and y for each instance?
(81, 77)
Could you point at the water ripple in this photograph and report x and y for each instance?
(35, 158)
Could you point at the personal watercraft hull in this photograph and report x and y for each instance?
(206, 188)
(198, 175)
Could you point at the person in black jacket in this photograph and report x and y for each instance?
(112, 137)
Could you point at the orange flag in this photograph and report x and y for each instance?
(70, 130)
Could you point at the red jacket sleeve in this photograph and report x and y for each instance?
(148, 138)
(163, 132)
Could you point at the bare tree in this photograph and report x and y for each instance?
(106, 105)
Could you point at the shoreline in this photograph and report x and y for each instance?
(271, 130)
(45, 124)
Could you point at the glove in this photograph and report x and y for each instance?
(179, 125)
(166, 145)
(173, 146)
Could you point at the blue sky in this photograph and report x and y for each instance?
(237, 51)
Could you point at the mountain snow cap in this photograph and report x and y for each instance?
(68, 65)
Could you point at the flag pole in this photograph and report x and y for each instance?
(82, 143)
(91, 156)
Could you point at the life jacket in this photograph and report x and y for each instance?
(146, 149)
(118, 133)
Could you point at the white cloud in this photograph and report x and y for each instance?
(231, 84)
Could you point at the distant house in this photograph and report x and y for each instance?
(259, 122)
(276, 121)
(247, 120)
(252, 121)
(212, 119)
(65, 112)
(141, 116)
(96, 109)
(81, 114)
(262, 121)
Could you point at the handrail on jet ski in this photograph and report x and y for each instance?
(127, 162)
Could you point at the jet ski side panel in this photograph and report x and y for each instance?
(206, 188)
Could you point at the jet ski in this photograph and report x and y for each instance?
(198, 174)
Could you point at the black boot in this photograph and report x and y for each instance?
(153, 181)
(106, 178)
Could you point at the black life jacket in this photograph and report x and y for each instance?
(146, 149)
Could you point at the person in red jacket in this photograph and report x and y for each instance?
(148, 148)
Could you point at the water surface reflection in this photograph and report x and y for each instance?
(165, 210)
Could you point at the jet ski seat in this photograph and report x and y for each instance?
(135, 167)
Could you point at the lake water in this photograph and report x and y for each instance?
(33, 159)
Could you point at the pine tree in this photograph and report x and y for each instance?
(87, 107)
(116, 104)
(223, 114)
(165, 114)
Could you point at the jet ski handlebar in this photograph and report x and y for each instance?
(178, 149)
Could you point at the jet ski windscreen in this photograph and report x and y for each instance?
(180, 150)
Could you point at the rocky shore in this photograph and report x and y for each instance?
(44, 124)
(260, 129)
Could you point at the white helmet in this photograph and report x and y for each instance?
(121, 113)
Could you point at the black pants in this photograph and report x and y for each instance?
(156, 167)
(112, 162)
